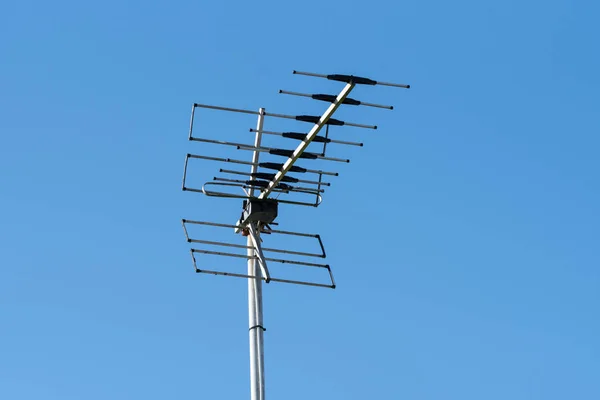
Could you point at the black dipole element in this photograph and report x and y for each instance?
(357, 80)
(315, 120)
(269, 176)
(331, 98)
(289, 153)
(267, 165)
(303, 136)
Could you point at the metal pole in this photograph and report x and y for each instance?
(255, 305)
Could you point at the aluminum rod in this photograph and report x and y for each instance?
(185, 172)
(189, 221)
(240, 184)
(228, 171)
(304, 144)
(364, 103)
(331, 140)
(399, 85)
(260, 257)
(309, 74)
(255, 301)
(278, 260)
(241, 246)
(192, 120)
(206, 271)
(212, 193)
(283, 190)
(345, 123)
(317, 156)
(234, 161)
(197, 139)
(358, 103)
(239, 110)
(295, 93)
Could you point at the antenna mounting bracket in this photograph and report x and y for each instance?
(262, 211)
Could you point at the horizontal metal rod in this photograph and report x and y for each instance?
(206, 271)
(279, 260)
(238, 110)
(272, 114)
(331, 98)
(189, 221)
(311, 235)
(313, 155)
(246, 185)
(212, 193)
(283, 188)
(227, 171)
(330, 140)
(330, 122)
(358, 80)
(197, 139)
(236, 196)
(193, 222)
(262, 164)
(242, 246)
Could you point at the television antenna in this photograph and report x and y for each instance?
(268, 184)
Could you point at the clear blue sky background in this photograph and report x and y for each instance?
(471, 274)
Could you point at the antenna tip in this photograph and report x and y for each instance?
(408, 86)
(280, 91)
(361, 144)
(375, 127)
(391, 107)
(347, 161)
(337, 174)
(294, 71)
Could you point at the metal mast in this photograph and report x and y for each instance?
(259, 211)
(255, 302)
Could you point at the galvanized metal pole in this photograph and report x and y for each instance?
(255, 304)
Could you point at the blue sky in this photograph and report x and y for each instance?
(464, 236)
